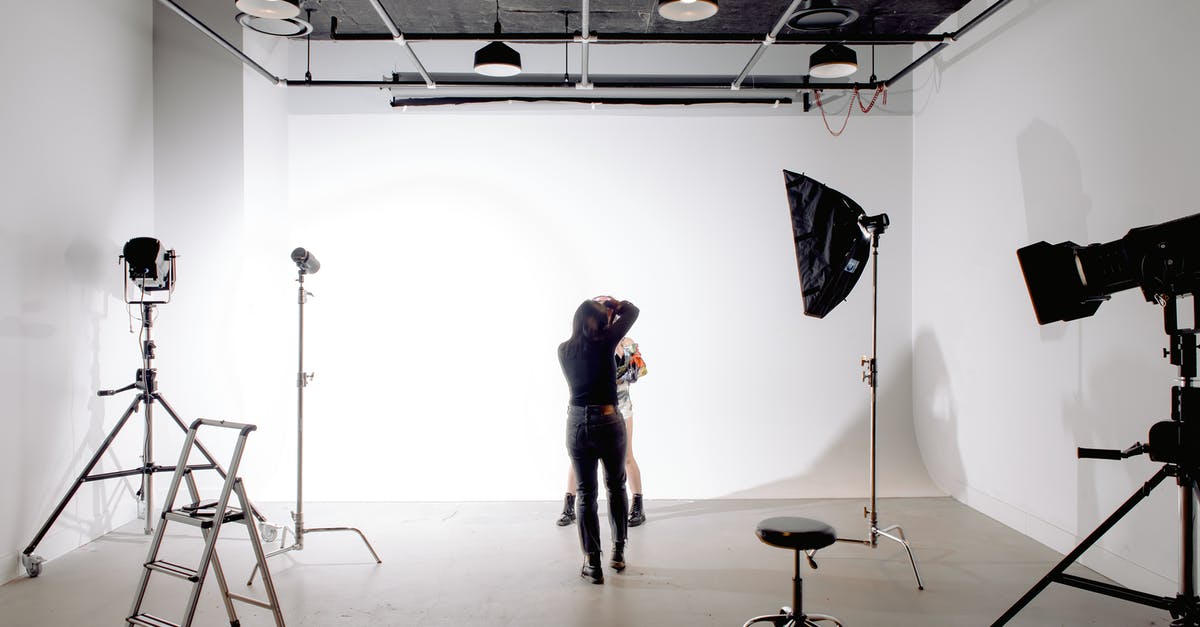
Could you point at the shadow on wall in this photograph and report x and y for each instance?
(1056, 207)
(842, 468)
(935, 415)
(91, 290)
(1000, 23)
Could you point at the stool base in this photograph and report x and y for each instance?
(786, 618)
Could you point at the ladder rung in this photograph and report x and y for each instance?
(175, 570)
(262, 604)
(203, 519)
(149, 620)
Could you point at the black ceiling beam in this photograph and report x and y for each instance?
(642, 38)
(450, 81)
(996, 6)
(450, 100)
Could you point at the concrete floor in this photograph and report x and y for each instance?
(694, 563)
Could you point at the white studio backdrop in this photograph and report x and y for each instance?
(455, 249)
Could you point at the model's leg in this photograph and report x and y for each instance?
(637, 511)
(631, 465)
(568, 512)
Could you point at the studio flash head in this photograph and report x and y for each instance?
(1067, 281)
(305, 261)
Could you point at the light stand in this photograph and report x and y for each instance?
(306, 264)
(146, 383)
(1175, 443)
(876, 226)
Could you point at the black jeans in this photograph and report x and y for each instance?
(593, 437)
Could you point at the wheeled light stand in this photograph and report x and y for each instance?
(146, 383)
(302, 380)
(876, 226)
(1173, 442)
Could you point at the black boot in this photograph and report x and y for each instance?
(618, 557)
(592, 568)
(637, 515)
(568, 513)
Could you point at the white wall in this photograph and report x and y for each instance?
(1029, 129)
(456, 247)
(77, 173)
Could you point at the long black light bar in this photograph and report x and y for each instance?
(687, 86)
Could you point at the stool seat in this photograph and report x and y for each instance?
(792, 532)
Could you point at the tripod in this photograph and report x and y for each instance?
(146, 382)
(302, 381)
(876, 226)
(1174, 443)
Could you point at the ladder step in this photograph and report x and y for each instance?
(262, 604)
(175, 570)
(149, 620)
(203, 518)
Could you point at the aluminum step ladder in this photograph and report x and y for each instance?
(209, 517)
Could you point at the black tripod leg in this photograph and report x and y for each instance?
(203, 451)
(1083, 546)
(82, 477)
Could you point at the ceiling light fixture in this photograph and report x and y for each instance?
(833, 61)
(821, 15)
(290, 27)
(687, 10)
(269, 9)
(497, 58)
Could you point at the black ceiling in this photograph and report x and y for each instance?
(736, 17)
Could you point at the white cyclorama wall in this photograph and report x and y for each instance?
(456, 247)
(77, 171)
(1015, 144)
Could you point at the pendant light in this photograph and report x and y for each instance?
(497, 58)
(687, 10)
(833, 61)
(270, 9)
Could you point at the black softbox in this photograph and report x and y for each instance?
(832, 246)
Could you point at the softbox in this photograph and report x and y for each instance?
(832, 246)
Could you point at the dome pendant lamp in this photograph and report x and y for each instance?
(687, 10)
(269, 9)
(497, 58)
(833, 61)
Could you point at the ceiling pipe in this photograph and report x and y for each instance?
(583, 46)
(999, 4)
(766, 42)
(642, 38)
(275, 80)
(398, 37)
(582, 99)
(468, 84)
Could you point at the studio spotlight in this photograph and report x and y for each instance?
(305, 261)
(1067, 281)
(149, 266)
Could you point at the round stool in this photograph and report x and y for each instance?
(797, 534)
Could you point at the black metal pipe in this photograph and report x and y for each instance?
(642, 38)
(914, 65)
(202, 27)
(996, 6)
(548, 81)
(428, 102)
(999, 4)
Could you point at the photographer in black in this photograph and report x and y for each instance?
(595, 428)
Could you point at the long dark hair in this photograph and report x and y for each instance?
(590, 320)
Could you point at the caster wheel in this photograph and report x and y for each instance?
(269, 532)
(32, 564)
